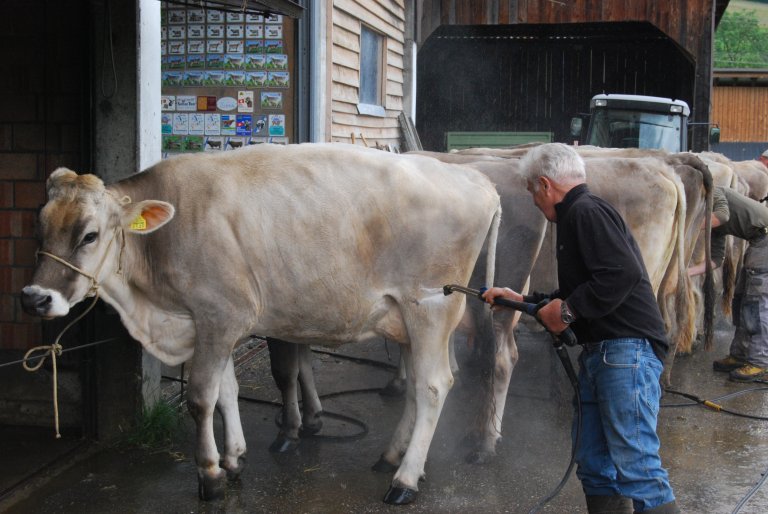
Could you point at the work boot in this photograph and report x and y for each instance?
(728, 363)
(608, 504)
(748, 373)
(667, 508)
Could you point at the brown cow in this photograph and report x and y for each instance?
(309, 243)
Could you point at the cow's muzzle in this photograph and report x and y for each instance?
(34, 302)
(44, 303)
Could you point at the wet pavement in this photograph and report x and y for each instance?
(714, 459)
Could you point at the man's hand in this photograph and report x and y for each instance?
(550, 316)
(501, 292)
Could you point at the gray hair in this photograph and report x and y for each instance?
(555, 161)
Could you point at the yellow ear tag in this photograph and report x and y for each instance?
(139, 223)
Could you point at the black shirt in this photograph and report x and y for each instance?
(601, 274)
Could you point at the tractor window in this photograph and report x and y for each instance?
(612, 128)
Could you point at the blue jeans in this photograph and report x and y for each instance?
(619, 448)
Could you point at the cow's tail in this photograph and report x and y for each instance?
(709, 282)
(684, 303)
(486, 337)
(491, 240)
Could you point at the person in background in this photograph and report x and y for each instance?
(606, 297)
(739, 216)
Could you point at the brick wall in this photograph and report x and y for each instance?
(43, 56)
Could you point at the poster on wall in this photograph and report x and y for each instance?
(277, 124)
(227, 78)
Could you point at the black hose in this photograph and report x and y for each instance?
(359, 360)
(574, 449)
(710, 404)
(750, 493)
(325, 413)
(714, 406)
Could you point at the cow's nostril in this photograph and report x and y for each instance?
(36, 304)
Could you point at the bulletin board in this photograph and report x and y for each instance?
(228, 79)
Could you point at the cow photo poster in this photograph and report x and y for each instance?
(226, 77)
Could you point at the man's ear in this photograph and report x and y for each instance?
(147, 216)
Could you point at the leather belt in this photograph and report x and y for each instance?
(592, 347)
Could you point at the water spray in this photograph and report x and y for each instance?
(559, 341)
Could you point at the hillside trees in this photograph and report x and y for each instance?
(740, 41)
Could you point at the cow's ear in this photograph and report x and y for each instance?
(147, 216)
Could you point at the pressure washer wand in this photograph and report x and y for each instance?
(566, 337)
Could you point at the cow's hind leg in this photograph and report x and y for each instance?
(205, 377)
(396, 386)
(503, 356)
(234, 441)
(429, 380)
(391, 458)
(284, 360)
(310, 402)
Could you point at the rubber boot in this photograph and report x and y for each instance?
(609, 504)
(667, 508)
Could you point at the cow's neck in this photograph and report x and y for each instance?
(165, 330)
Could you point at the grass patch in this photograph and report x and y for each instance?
(157, 427)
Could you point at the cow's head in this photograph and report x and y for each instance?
(82, 229)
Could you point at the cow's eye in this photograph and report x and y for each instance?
(90, 237)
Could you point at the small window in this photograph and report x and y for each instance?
(371, 74)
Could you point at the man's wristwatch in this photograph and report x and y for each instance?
(565, 314)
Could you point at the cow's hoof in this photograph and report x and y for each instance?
(480, 457)
(283, 444)
(395, 387)
(383, 466)
(308, 430)
(400, 495)
(211, 488)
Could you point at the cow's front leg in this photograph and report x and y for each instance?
(284, 361)
(208, 365)
(234, 441)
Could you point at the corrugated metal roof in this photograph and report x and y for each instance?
(284, 7)
(740, 77)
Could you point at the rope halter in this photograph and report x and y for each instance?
(55, 349)
(94, 289)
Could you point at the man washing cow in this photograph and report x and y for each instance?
(606, 296)
(736, 215)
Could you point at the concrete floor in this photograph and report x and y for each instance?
(713, 458)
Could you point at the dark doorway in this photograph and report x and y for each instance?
(535, 78)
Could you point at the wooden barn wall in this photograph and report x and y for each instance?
(688, 22)
(735, 110)
(523, 85)
(388, 18)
